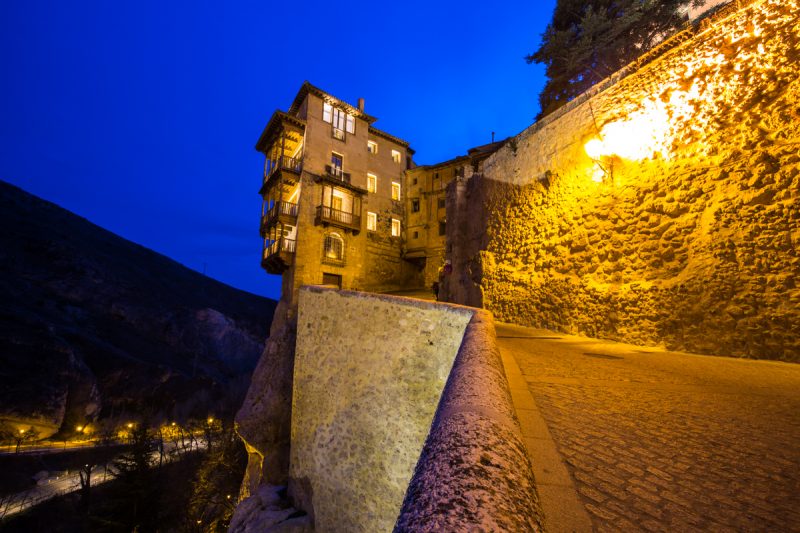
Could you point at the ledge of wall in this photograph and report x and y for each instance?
(474, 473)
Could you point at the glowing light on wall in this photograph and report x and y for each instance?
(654, 125)
(640, 136)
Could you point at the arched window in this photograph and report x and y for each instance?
(333, 248)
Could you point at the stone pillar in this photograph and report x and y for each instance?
(466, 238)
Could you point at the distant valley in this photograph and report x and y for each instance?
(95, 327)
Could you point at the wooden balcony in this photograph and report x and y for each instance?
(285, 166)
(285, 212)
(278, 256)
(337, 174)
(328, 216)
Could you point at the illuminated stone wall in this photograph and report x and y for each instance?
(368, 374)
(683, 230)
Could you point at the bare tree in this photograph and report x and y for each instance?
(85, 474)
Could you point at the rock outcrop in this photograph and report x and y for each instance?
(265, 418)
(268, 511)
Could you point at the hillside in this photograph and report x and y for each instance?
(93, 325)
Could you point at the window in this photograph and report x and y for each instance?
(333, 248)
(416, 235)
(372, 183)
(396, 157)
(395, 190)
(415, 181)
(442, 203)
(339, 207)
(337, 162)
(372, 147)
(395, 227)
(340, 121)
(415, 205)
(372, 221)
(338, 118)
(442, 228)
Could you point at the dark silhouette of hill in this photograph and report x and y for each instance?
(93, 325)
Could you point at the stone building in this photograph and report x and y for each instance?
(333, 196)
(344, 204)
(425, 207)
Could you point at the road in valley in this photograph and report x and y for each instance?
(60, 483)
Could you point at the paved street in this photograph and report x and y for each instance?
(661, 441)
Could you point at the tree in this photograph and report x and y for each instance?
(586, 41)
(216, 484)
(85, 473)
(135, 471)
(24, 435)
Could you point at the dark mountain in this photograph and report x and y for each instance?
(93, 325)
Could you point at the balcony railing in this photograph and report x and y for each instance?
(293, 164)
(329, 215)
(282, 208)
(278, 255)
(283, 244)
(337, 173)
(285, 211)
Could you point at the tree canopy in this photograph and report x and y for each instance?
(586, 41)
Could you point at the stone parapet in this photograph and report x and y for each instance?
(383, 384)
(368, 373)
(474, 473)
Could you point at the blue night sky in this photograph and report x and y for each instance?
(142, 116)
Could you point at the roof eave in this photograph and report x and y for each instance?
(307, 88)
(278, 117)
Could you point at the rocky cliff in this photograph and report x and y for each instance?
(93, 325)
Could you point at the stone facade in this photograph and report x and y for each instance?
(690, 240)
(426, 211)
(318, 199)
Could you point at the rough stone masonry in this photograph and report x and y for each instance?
(691, 239)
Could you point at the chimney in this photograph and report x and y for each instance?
(361, 104)
(492, 136)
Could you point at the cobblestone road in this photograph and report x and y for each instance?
(662, 441)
